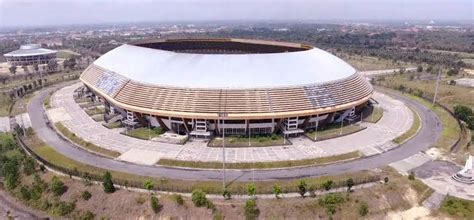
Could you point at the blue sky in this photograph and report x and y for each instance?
(61, 12)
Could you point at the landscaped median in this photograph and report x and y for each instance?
(415, 127)
(255, 141)
(262, 165)
(85, 144)
(334, 131)
(59, 162)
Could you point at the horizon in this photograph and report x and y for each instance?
(102, 12)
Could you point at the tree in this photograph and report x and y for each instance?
(155, 205)
(363, 209)
(199, 198)
(149, 185)
(178, 198)
(350, 184)
(419, 69)
(12, 69)
(57, 186)
(302, 187)
(385, 179)
(9, 170)
(411, 176)
(107, 183)
(327, 185)
(452, 72)
(251, 210)
(52, 65)
(251, 189)
(277, 191)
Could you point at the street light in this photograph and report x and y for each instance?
(223, 115)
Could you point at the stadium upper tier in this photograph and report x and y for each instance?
(248, 79)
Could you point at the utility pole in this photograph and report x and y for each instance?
(223, 115)
(436, 88)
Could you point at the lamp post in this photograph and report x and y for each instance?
(223, 115)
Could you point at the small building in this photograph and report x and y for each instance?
(30, 54)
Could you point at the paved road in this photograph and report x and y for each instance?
(429, 133)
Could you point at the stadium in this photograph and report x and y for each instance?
(30, 54)
(199, 87)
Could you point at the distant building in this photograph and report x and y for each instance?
(30, 54)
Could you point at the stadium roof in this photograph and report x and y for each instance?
(30, 50)
(264, 70)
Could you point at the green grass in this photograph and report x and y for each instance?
(95, 111)
(144, 133)
(262, 165)
(5, 105)
(47, 101)
(415, 126)
(458, 208)
(215, 187)
(375, 115)
(85, 144)
(112, 125)
(334, 131)
(451, 129)
(261, 141)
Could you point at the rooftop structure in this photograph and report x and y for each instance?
(257, 86)
(30, 54)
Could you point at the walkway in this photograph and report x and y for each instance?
(370, 141)
(430, 131)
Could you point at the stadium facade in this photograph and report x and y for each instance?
(201, 86)
(30, 54)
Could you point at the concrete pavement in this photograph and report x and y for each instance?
(425, 138)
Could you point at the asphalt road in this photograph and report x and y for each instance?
(427, 136)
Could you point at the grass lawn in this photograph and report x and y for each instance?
(95, 111)
(262, 141)
(422, 190)
(458, 208)
(21, 105)
(144, 133)
(47, 101)
(113, 125)
(374, 114)
(81, 142)
(412, 131)
(5, 103)
(98, 117)
(262, 165)
(334, 131)
(236, 187)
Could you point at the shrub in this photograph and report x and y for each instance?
(349, 184)
(108, 184)
(210, 205)
(199, 198)
(86, 195)
(327, 185)
(63, 208)
(226, 194)
(140, 200)
(148, 185)
(363, 209)
(302, 187)
(277, 191)
(42, 168)
(251, 189)
(178, 199)
(411, 176)
(385, 179)
(155, 206)
(88, 215)
(25, 193)
(57, 186)
(29, 166)
(251, 210)
(331, 202)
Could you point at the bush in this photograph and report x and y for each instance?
(251, 210)
(385, 179)
(25, 193)
(199, 198)
(29, 166)
(363, 209)
(88, 215)
(178, 199)
(251, 189)
(277, 191)
(302, 187)
(411, 176)
(148, 185)
(140, 200)
(331, 202)
(57, 186)
(155, 206)
(210, 205)
(226, 194)
(349, 184)
(327, 185)
(108, 184)
(86, 195)
(63, 208)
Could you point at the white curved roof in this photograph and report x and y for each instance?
(29, 50)
(161, 67)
